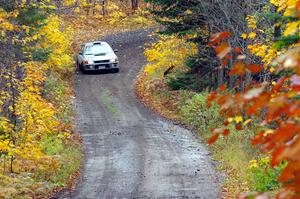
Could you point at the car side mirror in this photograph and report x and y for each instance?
(80, 53)
(116, 50)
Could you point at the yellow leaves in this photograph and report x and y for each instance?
(272, 69)
(247, 122)
(116, 17)
(252, 23)
(69, 2)
(169, 51)
(35, 37)
(252, 35)
(292, 28)
(266, 52)
(36, 116)
(264, 48)
(58, 40)
(253, 164)
(238, 119)
(288, 7)
(188, 12)
(244, 36)
(260, 162)
(230, 119)
(7, 26)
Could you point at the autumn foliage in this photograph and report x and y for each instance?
(273, 105)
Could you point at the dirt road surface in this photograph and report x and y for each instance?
(131, 152)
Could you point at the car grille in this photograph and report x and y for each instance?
(102, 61)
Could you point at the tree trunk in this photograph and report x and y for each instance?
(134, 4)
(220, 76)
(277, 28)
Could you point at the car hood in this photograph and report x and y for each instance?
(100, 57)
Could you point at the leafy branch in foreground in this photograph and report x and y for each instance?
(274, 105)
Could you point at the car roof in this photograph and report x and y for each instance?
(96, 43)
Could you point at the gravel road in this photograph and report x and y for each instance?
(131, 152)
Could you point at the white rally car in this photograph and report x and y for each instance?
(97, 56)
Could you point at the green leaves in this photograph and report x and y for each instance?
(41, 54)
(33, 16)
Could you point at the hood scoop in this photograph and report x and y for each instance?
(100, 54)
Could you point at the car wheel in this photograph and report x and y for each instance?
(77, 66)
(116, 70)
(82, 69)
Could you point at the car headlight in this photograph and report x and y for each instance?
(114, 60)
(88, 62)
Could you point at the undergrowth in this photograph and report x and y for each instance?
(63, 155)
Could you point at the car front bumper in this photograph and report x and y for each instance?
(102, 66)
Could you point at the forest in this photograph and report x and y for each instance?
(229, 70)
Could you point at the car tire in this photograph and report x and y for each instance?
(116, 70)
(77, 66)
(82, 69)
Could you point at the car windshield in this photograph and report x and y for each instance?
(98, 49)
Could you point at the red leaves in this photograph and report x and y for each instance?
(238, 127)
(213, 139)
(275, 107)
(218, 37)
(258, 139)
(277, 156)
(225, 53)
(210, 98)
(217, 132)
(223, 88)
(238, 69)
(254, 68)
(222, 50)
(226, 132)
(237, 50)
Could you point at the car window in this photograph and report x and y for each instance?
(98, 49)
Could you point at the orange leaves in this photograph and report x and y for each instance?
(238, 69)
(222, 87)
(210, 98)
(218, 37)
(254, 68)
(226, 53)
(216, 134)
(222, 50)
(275, 106)
(258, 138)
(226, 132)
(213, 139)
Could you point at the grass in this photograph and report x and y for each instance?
(68, 151)
(234, 151)
(107, 102)
(69, 156)
(57, 90)
(62, 160)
